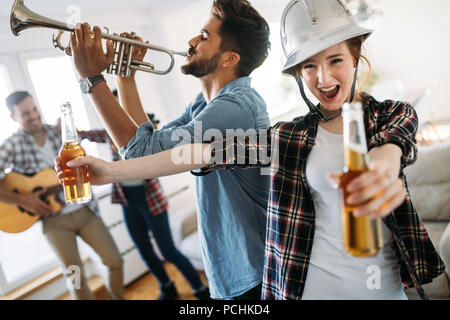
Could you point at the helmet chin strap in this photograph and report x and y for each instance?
(315, 110)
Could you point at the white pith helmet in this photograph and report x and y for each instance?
(311, 26)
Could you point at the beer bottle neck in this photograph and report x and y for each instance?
(355, 145)
(68, 129)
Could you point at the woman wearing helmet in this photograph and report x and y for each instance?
(305, 258)
(304, 255)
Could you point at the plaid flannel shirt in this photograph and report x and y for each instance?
(20, 154)
(154, 194)
(291, 216)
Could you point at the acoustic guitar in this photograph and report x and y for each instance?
(14, 218)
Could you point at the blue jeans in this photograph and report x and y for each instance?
(139, 222)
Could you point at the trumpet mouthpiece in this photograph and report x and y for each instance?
(181, 53)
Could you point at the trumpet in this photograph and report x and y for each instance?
(23, 18)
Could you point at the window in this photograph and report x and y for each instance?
(279, 91)
(54, 82)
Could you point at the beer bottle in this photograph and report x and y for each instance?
(77, 188)
(362, 235)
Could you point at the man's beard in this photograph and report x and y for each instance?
(202, 67)
(34, 126)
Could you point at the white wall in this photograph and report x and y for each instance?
(412, 44)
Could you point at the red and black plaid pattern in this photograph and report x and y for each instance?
(156, 200)
(291, 216)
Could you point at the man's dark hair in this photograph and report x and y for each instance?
(15, 98)
(243, 31)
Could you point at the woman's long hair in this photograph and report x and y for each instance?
(355, 46)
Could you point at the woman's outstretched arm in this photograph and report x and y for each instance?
(180, 159)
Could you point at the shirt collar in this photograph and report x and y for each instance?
(239, 82)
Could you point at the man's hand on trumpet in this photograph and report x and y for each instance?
(138, 53)
(87, 51)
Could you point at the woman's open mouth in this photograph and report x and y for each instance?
(330, 94)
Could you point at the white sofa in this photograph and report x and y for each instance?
(429, 185)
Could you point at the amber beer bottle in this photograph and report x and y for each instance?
(362, 236)
(77, 188)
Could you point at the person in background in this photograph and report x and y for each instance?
(144, 206)
(32, 149)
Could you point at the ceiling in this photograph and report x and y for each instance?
(60, 6)
(52, 7)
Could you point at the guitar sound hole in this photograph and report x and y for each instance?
(43, 196)
(23, 210)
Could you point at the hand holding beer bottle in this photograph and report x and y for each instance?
(361, 235)
(77, 188)
(369, 191)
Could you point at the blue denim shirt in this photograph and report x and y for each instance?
(232, 203)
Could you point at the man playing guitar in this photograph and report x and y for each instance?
(31, 150)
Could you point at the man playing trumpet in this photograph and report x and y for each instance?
(232, 204)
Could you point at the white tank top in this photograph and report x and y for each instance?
(332, 272)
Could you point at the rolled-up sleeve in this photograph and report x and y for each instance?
(397, 124)
(139, 145)
(223, 113)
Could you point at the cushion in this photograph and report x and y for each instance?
(435, 231)
(439, 288)
(431, 166)
(432, 201)
(436, 290)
